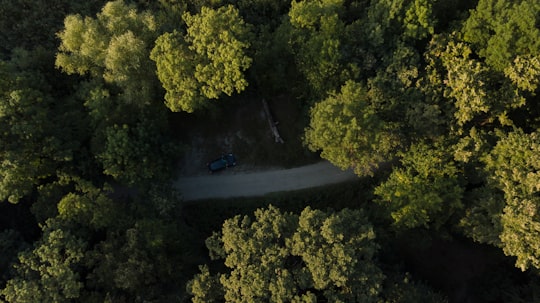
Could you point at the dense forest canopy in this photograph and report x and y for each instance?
(434, 102)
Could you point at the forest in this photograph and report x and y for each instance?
(434, 104)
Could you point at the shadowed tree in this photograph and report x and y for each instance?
(48, 272)
(41, 132)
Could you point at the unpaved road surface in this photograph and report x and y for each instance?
(228, 184)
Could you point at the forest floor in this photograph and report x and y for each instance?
(240, 127)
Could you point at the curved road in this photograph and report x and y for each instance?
(227, 185)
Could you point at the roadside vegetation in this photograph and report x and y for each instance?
(432, 103)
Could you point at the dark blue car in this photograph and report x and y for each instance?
(226, 160)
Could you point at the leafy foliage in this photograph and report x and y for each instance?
(114, 46)
(286, 257)
(47, 273)
(425, 190)
(503, 29)
(207, 62)
(38, 135)
(31, 24)
(514, 164)
(349, 132)
(316, 41)
(135, 155)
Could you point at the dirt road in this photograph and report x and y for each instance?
(229, 184)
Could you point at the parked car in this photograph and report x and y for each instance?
(226, 160)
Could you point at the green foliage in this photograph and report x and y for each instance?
(390, 22)
(175, 67)
(425, 190)
(168, 13)
(317, 36)
(142, 253)
(524, 72)
(482, 218)
(501, 30)
(349, 132)
(397, 99)
(48, 272)
(473, 86)
(96, 250)
(513, 166)
(134, 154)
(205, 287)
(285, 257)
(63, 136)
(419, 21)
(89, 206)
(40, 133)
(222, 53)
(30, 24)
(207, 62)
(114, 46)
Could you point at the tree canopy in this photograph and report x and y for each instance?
(206, 62)
(297, 258)
(513, 166)
(114, 47)
(425, 190)
(347, 129)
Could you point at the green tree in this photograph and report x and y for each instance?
(398, 97)
(220, 38)
(390, 21)
(141, 251)
(501, 30)
(513, 165)
(425, 190)
(524, 72)
(482, 218)
(33, 24)
(97, 249)
(175, 67)
(347, 129)
(282, 257)
(114, 46)
(48, 272)
(88, 205)
(133, 155)
(473, 86)
(41, 132)
(210, 60)
(316, 38)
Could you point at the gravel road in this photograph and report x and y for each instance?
(228, 184)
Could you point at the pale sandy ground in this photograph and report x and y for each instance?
(228, 184)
